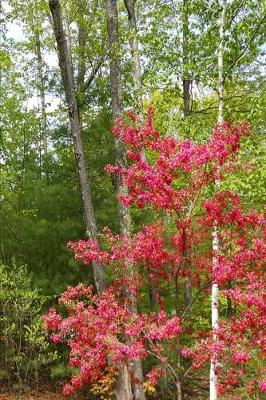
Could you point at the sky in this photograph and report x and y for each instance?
(15, 32)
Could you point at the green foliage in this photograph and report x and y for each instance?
(40, 202)
(60, 370)
(25, 353)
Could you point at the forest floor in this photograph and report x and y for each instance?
(33, 396)
(40, 395)
(50, 391)
(46, 392)
(54, 395)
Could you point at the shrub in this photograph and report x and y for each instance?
(24, 351)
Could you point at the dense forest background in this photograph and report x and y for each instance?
(167, 52)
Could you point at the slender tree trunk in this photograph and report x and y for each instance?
(136, 68)
(74, 119)
(215, 238)
(187, 260)
(215, 317)
(186, 82)
(185, 53)
(134, 48)
(179, 395)
(42, 95)
(135, 58)
(124, 213)
(187, 111)
(117, 106)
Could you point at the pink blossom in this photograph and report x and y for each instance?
(262, 385)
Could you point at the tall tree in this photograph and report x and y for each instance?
(123, 388)
(215, 237)
(75, 126)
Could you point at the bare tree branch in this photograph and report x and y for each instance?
(97, 65)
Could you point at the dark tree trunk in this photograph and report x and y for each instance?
(74, 119)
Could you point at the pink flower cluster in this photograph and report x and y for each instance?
(154, 183)
(102, 329)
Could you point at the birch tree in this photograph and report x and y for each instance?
(215, 238)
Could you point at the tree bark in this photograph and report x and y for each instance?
(215, 238)
(124, 213)
(179, 394)
(215, 317)
(123, 389)
(134, 48)
(74, 119)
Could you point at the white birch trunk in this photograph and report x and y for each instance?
(215, 238)
(215, 316)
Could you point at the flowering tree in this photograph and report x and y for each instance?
(175, 179)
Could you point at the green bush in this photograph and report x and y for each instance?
(25, 354)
